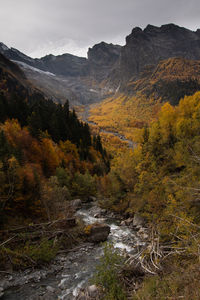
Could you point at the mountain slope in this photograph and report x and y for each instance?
(13, 80)
(140, 101)
(170, 80)
(67, 76)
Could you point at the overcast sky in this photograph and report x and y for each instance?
(40, 27)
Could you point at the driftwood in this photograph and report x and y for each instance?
(50, 230)
(7, 241)
(69, 221)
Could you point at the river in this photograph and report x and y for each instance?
(85, 117)
(71, 271)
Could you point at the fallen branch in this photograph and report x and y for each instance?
(2, 244)
(36, 225)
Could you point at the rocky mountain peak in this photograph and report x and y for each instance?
(149, 46)
(104, 53)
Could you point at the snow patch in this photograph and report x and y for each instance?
(26, 66)
(93, 91)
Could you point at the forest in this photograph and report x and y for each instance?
(49, 157)
(160, 181)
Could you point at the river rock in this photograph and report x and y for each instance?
(91, 199)
(48, 296)
(76, 204)
(50, 289)
(143, 233)
(89, 293)
(123, 223)
(1, 292)
(92, 291)
(95, 210)
(128, 221)
(138, 221)
(97, 232)
(81, 296)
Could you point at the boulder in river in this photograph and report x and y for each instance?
(92, 199)
(97, 212)
(76, 204)
(97, 232)
(90, 292)
(128, 221)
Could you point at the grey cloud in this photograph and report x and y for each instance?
(40, 26)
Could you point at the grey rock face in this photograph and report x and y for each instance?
(108, 67)
(101, 59)
(153, 44)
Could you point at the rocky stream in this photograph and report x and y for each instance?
(71, 271)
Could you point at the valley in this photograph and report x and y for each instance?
(102, 149)
(84, 113)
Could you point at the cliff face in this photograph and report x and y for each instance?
(108, 68)
(151, 45)
(102, 58)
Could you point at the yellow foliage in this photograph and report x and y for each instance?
(125, 115)
(87, 229)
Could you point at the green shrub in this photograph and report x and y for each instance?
(29, 255)
(107, 274)
(83, 185)
(42, 253)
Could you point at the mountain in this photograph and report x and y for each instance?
(110, 69)
(149, 46)
(101, 59)
(67, 76)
